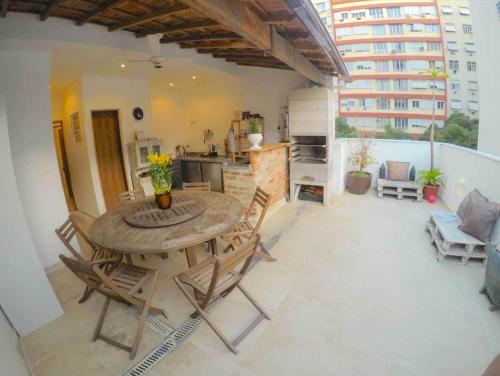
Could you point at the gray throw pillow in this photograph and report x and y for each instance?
(480, 219)
(397, 170)
(471, 199)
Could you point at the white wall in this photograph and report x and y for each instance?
(10, 359)
(123, 95)
(26, 295)
(486, 27)
(181, 115)
(33, 153)
(465, 169)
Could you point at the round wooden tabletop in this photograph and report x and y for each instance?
(110, 230)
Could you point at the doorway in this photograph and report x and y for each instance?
(109, 155)
(62, 161)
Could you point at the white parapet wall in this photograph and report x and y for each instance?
(463, 169)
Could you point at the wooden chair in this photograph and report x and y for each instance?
(130, 196)
(123, 285)
(203, 186)
(79, 222)
(244, 229)
(214, 277)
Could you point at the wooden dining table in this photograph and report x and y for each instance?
(220, 213)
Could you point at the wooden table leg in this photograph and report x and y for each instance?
(129, 259)
(213, 247)
(191, 256)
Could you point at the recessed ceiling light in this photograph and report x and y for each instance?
(171, 84)
(123, 65)
(194, 77)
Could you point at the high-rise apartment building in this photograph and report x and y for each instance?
(460, 53)
(387, 45)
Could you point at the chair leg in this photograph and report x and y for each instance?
(129, 259)
(205, 317)
(143, 257)
(253, 301)
(261, 252)
(98, 327)
(142, 319)
(86, 294)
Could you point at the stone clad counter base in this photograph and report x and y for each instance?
(268, 170)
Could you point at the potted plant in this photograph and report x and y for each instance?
(161, 179)
(431, 180)
(254, 133)
(359, 181)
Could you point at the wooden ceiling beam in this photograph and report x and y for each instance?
(170, 10)
(50, 6)
(184, 26)
(103, 7)
(5, 7)
(200, 37)
(218, 44)
(276, 19)
(235, 16)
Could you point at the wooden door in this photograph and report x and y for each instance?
(108, 149)
(62, 161)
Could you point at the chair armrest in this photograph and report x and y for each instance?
(106, 260)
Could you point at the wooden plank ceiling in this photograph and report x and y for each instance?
(259, 33)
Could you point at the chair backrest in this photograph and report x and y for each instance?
(128, 197)
(202, 186)
(66, 233)
(260, 199)
(242, 254)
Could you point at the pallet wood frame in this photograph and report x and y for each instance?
(399, 189)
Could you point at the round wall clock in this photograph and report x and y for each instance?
(138, 113)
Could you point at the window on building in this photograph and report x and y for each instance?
(415, 103)
(396, 29)
(416, 27)
(453, 64)
(412, 10)
(382, 122)
(472, 85)
(383, 104)
(433, 64)
(326, 20)
(470, 47)
(433, 46)
(440, 105)
(401, 103)
(400, 85)
(473, 106)
(358, 14)
(378, 30)
(419, 65)
(428, 9)
(344, 15)
(471, 66)
(401, 123)
(367, 103)
(416, 46)
(383, 85)
(394, 12)
(399, 65)
(464, 11)
(419, 84)
(455, 84)
(345, 48)
(382, 66)
(450, 28)
(343, 31)
(363, 84)
(376, 12)
(360, 30)
(363, 65)
(362, 47)
(398, 47)
(322, 5)
(432, 28)
(446, 9)
(455, 104)
(452, 46)
(380, 47)
(467, 29)
(439, 84)
(418, 123)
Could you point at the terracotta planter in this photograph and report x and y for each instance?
(164, 200)
(357, 184)
(430, 190)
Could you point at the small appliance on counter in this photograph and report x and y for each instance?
(208, 136)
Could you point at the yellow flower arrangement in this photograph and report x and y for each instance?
(161, 159)
(159, 169)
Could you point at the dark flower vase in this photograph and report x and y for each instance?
(163, 200)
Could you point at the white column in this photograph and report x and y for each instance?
(25, 293)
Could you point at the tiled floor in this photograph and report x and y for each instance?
(356, 291)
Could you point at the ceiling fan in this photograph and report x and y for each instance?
(156, 59)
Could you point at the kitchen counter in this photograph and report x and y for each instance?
(199, 158)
